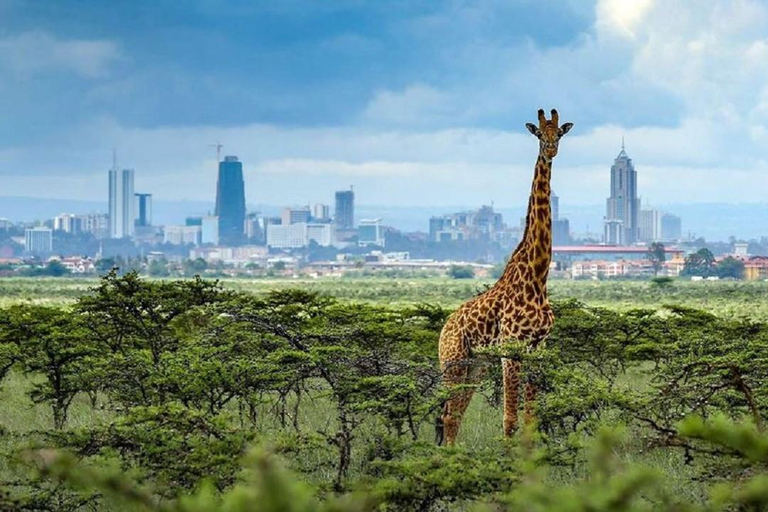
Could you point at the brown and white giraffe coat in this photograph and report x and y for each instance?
(515, 308)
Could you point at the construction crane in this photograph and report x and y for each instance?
(218, 147)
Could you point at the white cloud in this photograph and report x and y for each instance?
(415, 105)
(421, 144)
(30, 53)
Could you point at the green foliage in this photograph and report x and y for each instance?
(184, 375)
(662, 282)
(657, 256)
(461, 272)
(730, 267)
(196, 267)
(700, 263)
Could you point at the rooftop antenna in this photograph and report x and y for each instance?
(218, 147)
(622, 143)
(114, 159)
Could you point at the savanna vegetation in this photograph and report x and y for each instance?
(321, 395)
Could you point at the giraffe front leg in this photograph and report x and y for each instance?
(511, 375)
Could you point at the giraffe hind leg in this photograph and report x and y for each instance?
(511, 375)
(530, 399)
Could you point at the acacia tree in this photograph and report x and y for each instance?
(701, 263)
(657, 256)
(51, 342)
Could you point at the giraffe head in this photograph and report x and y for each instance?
(548, 133)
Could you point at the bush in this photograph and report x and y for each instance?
(461, 272)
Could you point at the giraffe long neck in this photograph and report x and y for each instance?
(535, 249)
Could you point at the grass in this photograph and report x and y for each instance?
(726, 298)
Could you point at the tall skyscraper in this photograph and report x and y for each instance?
(622, 206)
(230, 201)
(143, 210)
(345, 209)
(122, 205)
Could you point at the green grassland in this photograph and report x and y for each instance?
(609, 370)
(731, 298)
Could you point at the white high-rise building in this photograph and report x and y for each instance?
(67, 222)
(293, 236)
(649, 225)
(38, 241)
(369, 232)
(182, 235)
(210, 230)
(122, 204)
(321, 213)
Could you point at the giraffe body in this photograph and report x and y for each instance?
(515, 308)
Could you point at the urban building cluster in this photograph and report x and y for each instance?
(228, 234)
(326, 239)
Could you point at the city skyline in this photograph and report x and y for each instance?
(380, 104)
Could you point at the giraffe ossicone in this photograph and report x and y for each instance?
(515, 308)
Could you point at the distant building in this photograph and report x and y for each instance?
(38, 241)
(68, 222)
(183, 235)
(254, 229)
(561, 232)
(671, 227)
(121, 203)
(741, 249)
(143, 210)
(622, 207)
(370, 232)
(649, 226)
(209, 230)
(230, 201)
(322, 234)
(96, 224)
(481, 224)
(5, 224)
(193, 221)
(756, 268)
(554, 203)
(614, 232)
(344, 218)
(77, 264)
(294, 236)
(296, 215)
(321, 213)
(608, 269)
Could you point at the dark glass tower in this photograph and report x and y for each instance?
(345, 210)
(230, 201)
(143, 210)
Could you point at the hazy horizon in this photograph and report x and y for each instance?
(713, 221)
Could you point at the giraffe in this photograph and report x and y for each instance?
(515, 308)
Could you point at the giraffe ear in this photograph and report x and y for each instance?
(565, 128)
(533, 129)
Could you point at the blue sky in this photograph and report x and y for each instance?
(413, 102)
